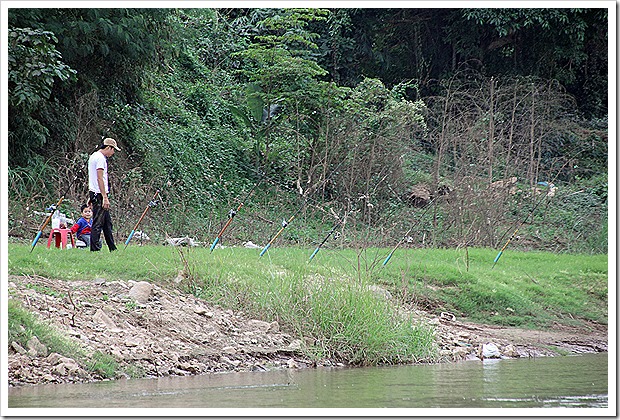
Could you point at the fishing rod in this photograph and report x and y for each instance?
(52, 209)
(518, 226)
(151, 203)
(325, 240)
(284, 224)
(232, 213)
(428, 206)
(514, 234)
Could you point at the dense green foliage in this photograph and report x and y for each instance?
(350, 111)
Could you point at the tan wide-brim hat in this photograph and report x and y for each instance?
(111, 142)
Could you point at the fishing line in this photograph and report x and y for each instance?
(156, 197)
(307, 196)
(232, 213)
(415, 224)
(520, 223)
(310, 201)
(160, 196)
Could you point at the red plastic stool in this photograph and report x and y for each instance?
(60, 236)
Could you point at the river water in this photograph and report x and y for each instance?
(547, 382)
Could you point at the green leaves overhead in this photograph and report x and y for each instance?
(34, 64)
(508, 21)
(551, 43)
(280, 59)
(280, 67)
(287, 28)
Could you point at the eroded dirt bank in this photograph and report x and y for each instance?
(159, 331)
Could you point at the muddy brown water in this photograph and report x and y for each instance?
(579, 382)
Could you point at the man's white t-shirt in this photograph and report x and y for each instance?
(97, 161)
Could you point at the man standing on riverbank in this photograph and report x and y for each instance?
(98, 190)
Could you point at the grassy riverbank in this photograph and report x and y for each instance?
(336, 300)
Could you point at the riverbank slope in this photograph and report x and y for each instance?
(155, 331)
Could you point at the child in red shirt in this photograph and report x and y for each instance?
(82, 227)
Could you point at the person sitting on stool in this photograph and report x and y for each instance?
(81, 229)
